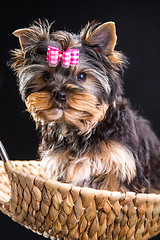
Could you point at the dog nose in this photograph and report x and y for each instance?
(60, 97)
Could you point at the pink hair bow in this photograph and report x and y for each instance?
(67, 58)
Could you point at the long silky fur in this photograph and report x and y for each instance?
(99, 141)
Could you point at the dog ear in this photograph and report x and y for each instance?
(103, 38)
(26, 37)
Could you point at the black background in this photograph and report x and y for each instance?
(138, 30)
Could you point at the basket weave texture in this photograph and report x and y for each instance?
(63, 211)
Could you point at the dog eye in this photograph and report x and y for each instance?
(47, 78)
(81, 76)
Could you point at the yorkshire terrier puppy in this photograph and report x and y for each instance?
(72, 86)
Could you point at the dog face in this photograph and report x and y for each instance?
(80, 95)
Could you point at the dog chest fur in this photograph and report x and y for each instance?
(114, 160)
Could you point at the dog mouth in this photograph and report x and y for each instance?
(60, 106)
(52, 114)
(47, 107)
(55, 113)
(79, 110)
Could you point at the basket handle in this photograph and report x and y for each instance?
(7, 163)
(3, 153)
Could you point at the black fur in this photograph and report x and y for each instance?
(120, 123)
(123, 125)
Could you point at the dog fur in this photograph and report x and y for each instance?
(94, 138)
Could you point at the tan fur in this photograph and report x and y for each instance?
(119, 162)
(39, 101)
(17, 57)
(40, 105)
(113, 164)
(81, 111)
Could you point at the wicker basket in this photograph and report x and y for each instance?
(57, 210)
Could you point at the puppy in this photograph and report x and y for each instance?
(72, 86)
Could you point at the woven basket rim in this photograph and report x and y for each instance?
(66, 185)
(138, 203)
